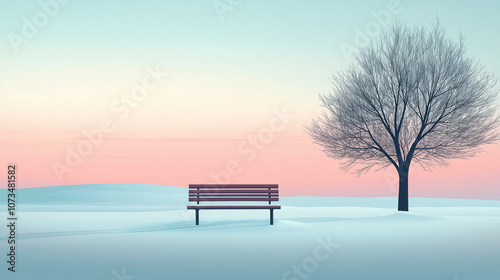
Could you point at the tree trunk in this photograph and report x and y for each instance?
(403, 188)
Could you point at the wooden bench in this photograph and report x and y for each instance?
(233, 193)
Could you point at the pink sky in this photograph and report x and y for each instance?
(184, 133)
(288, 157)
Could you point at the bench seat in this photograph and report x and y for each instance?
(233, 193)
(234, 207)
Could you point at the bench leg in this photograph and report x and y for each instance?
(197, 216)
(271, 216)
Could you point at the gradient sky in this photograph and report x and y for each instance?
(229, 72)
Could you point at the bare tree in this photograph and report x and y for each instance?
(410, 96)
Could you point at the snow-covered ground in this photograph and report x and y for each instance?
(144, 232)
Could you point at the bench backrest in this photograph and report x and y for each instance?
(238, 192)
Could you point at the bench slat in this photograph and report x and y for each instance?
(235, 195)
(237, 186)
(233, 199)
(232, 191)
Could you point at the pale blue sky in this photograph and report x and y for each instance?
(191, 34)
(267, 44)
